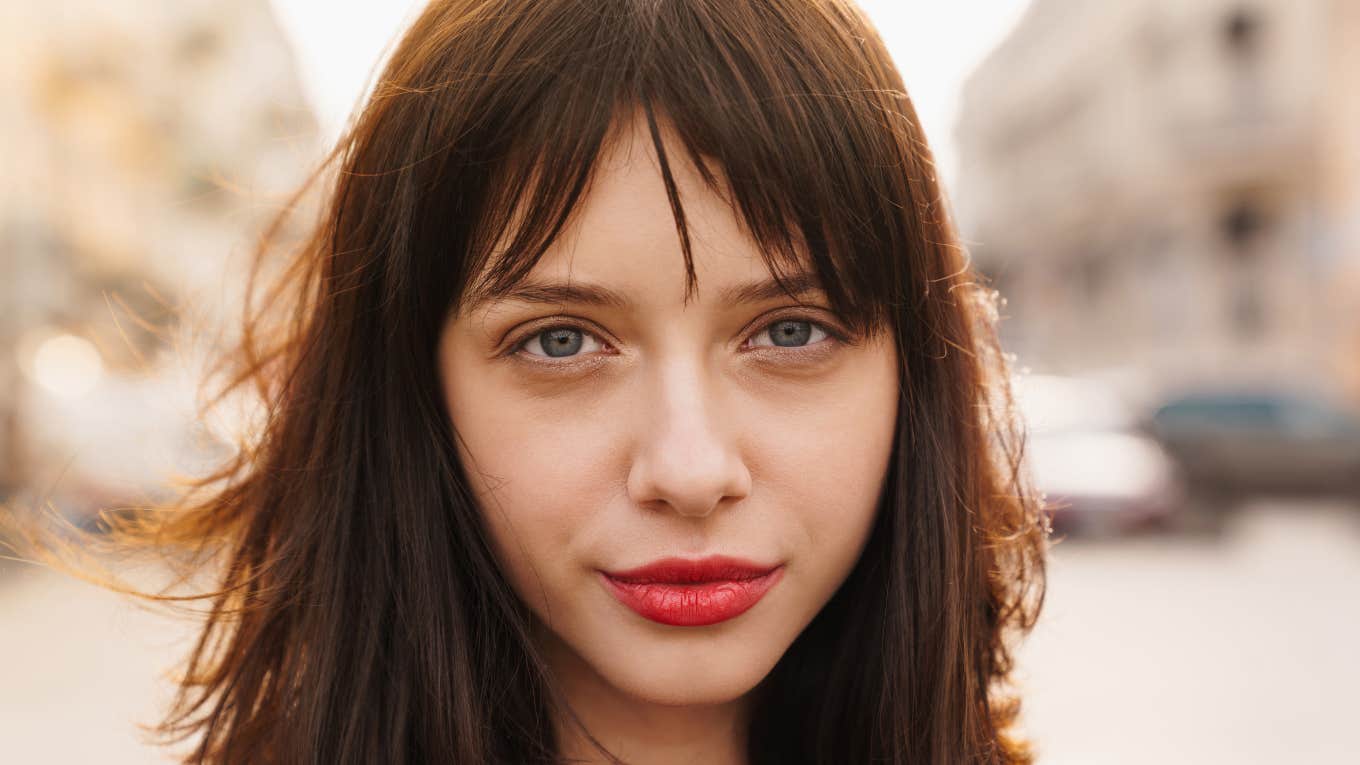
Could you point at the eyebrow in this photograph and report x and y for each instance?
(585, 293)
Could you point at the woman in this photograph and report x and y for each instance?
(631, 402)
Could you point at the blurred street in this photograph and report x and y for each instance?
(1195, 649)
(1188, 648)
(82, 667)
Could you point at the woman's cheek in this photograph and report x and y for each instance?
(539, 496)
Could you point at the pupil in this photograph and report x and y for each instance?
(793, 331)
(561, 342)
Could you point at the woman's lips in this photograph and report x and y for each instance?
(687, 593)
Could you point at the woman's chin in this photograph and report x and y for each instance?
(711, 686)
(702, 672)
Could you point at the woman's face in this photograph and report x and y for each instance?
(602, 435)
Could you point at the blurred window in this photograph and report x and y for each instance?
(199, 45)
(1093, 269)
(1241, 31)
(1242, 224)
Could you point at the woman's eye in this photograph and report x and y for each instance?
(792, 333)
(558, 342)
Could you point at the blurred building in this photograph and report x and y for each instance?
(1172, 187)
(144, 143)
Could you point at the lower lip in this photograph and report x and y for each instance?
(692, 605)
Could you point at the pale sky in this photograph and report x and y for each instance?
(935, 43)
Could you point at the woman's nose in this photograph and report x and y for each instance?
(687, 458)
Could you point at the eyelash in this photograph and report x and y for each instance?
(516, 348)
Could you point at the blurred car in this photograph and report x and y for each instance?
(1099, 473)
(1233, 443)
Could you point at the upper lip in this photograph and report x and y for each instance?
(715, 568)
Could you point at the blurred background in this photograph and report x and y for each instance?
(1165, 192)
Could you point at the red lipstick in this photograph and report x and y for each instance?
(692, 593)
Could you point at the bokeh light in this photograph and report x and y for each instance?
(67, 366)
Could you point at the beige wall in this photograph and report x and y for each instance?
(1103, 149)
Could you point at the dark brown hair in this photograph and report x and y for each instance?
(359, 614)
